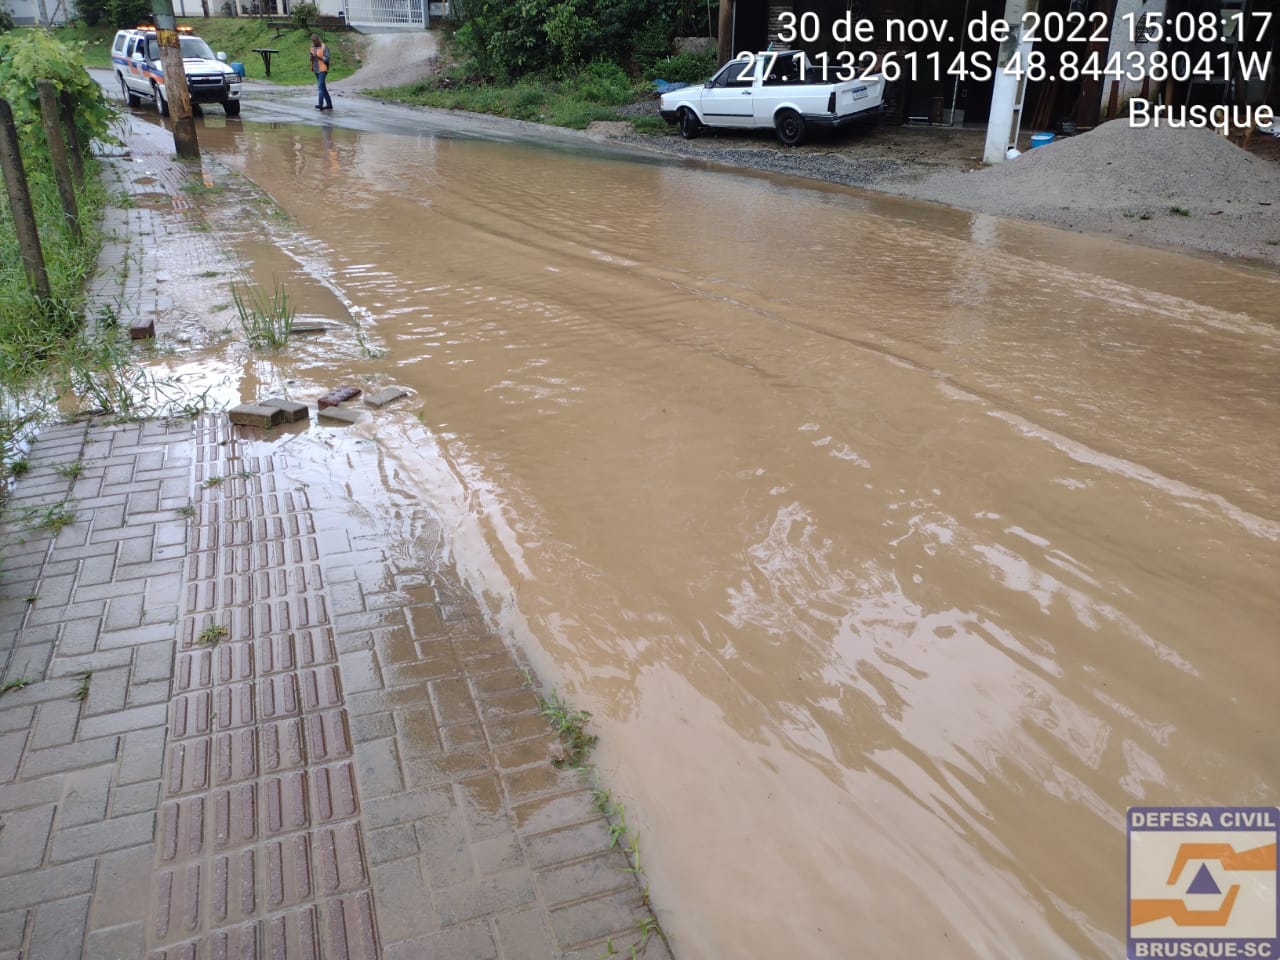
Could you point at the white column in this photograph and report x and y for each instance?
(1004, 95)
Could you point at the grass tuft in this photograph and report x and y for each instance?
(266, 321)
(212, 634)
(17, 683)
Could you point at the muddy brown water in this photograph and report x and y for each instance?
(895, 550)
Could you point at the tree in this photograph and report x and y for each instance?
(724, 49)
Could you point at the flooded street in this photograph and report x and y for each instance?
(895, 550)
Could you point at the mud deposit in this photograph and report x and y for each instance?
(896, 550)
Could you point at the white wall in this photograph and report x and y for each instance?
(26, 12)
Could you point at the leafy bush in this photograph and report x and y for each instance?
(30, 331)
(603, 83)
(6, 20)
(684, 68)
(118, 13)
(510, 38)
(30, 55)
(305, 15)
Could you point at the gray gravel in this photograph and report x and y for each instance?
(1184, 188)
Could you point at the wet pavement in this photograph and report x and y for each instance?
(254, 724)
(895, 550)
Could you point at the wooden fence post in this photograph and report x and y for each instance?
(73, 138)
(51, 115)
(24, 216)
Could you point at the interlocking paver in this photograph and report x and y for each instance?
(84, 796)
(89, 840)
(58, 930)
(24, 834)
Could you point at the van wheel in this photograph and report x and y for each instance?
(232, 107)
(791, 128)
(690, 126)
(127, 95)
(161, 107)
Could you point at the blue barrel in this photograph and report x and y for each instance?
(238, 67)
(1040, 139)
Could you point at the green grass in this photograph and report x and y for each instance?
(265, 320)
(82, 692)
(51, 518)
(97, 41)
(571, 726)
(593, 94)
(652, 125)
(71, 470)
(17, 683)
(212, 634)
(1180, 211)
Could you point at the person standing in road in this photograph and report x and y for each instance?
(320, 67)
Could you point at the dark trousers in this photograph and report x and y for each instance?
(325, 99)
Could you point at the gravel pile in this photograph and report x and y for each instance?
(1119, 165)
(1190, 188)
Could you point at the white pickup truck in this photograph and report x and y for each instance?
(782, 89)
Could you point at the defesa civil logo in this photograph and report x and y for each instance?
(1203, 881)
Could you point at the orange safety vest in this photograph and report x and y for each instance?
(320, 59)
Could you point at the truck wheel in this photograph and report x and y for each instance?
(690, 126)
(232, 107)
(126, 94)
(791, 128)
(161, 107)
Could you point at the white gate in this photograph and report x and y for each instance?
(385, 13)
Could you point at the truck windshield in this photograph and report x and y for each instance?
(195, 47)
(192, 48)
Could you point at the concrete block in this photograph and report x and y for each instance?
(310, 326)
(254, 415)
(338, 415)
(380, 398)
(338, 395)
(293, 410)
(144, 328)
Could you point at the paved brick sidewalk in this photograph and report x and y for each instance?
(93, 607)
(255, 727)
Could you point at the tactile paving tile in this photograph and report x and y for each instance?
(260, 851)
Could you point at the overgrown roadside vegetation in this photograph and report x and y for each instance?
(40, 341)
(237, 37)
(562, 62)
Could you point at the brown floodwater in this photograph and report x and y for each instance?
(896, 550)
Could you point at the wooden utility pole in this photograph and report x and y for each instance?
(175, 81)
(68, 105)
(724, 41)
(24, 215)
(51, 117)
